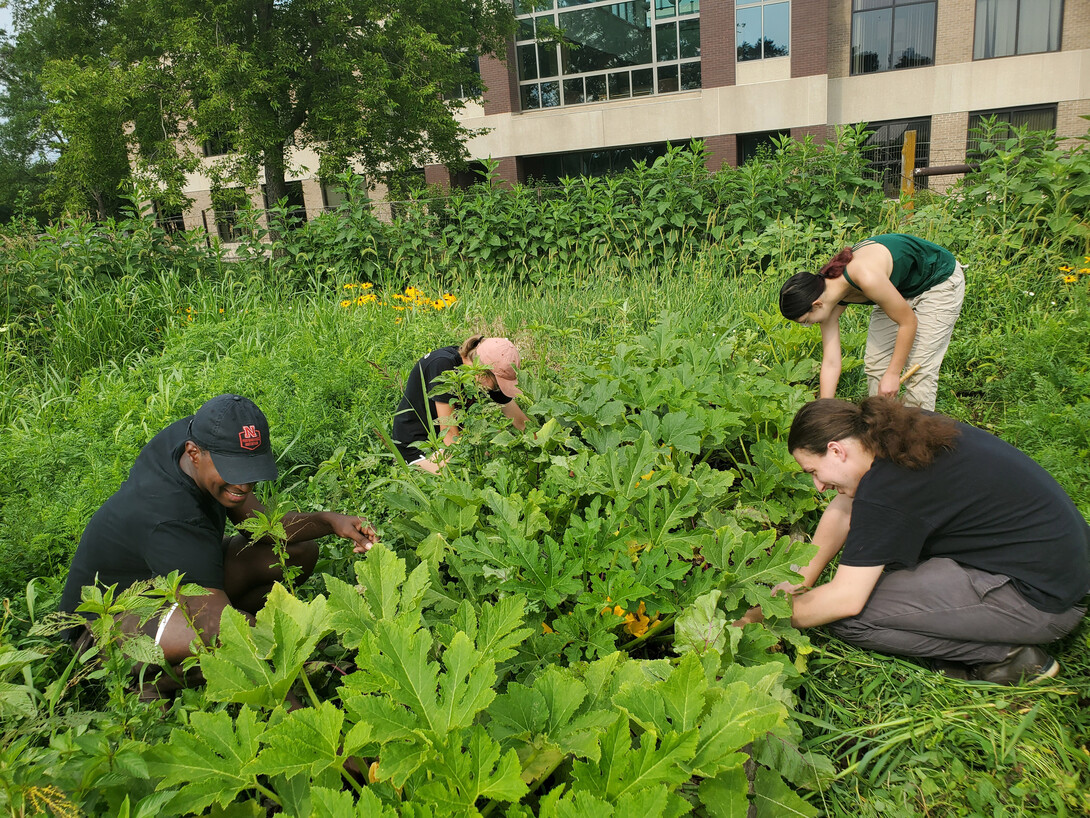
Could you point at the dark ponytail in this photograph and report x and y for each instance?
(887, 428)
(798, 293)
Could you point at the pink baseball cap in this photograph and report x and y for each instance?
(502, 358)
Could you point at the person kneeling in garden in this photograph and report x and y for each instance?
(954, 546)
(170, 515)
(422, 415)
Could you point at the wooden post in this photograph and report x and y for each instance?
(908, 168)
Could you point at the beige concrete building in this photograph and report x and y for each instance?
(589, 86)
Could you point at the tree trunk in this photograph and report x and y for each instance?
(276, 188)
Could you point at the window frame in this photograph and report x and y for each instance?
(567, 90)
(1017, 24)
(893, 6)
(885, 169)
(763, 5)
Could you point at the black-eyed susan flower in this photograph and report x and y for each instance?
(1070, 279)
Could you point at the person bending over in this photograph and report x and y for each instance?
(917, 288)
(421, 415)
(170, 515)
(954, 545)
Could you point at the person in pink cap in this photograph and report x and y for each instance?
(421, 414)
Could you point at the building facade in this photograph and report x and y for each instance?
(589, 86)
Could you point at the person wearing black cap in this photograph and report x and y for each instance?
(170, 515)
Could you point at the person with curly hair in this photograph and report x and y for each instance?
(954, 546)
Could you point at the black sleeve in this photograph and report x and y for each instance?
(431, 369)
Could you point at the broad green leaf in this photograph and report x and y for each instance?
(738, 717)
(209, 761)
(774, 799)
(725, 795)
(306, 742)
(702, 627)
(258, 665)
(330, 803)
(623, 769)
(464, 773)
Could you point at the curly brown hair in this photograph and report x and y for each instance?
(888, 429)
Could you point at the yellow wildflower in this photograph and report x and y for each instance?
(361, 300)
(366, 285)
(1065, 268)
(439, 304)
(639, 622)
(350, 286)
(1070, 279)
(221, 310)
(450, 299)
(346, 303)
(1084, 271)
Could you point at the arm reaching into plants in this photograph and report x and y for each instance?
(871, 273)
(843, 596)
(517, 417)
(831, 354)
(301, 526)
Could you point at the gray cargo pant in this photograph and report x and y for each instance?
(943, 610)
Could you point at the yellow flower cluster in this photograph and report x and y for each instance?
(412, 298)
(636, 622)
(1070, 275)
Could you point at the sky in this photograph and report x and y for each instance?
(5, 19)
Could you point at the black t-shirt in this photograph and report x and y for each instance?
(157, 522)
(416, 409)
(984, 504)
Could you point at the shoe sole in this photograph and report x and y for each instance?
(1051, 671)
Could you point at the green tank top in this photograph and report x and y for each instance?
(918, 265)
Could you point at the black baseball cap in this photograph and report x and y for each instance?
(236, 434)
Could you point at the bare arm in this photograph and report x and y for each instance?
(301, 526)
(874, 283)
(513, 411)
(843, 596)
(830, 354)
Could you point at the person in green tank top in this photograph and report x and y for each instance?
(917, 289)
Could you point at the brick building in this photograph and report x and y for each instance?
(589, 86)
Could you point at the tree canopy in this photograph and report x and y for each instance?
(136, 87)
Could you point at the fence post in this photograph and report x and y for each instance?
(908, 168)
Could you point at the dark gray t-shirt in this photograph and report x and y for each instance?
(984, 504)
(157, 522)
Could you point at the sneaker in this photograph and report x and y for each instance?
(1025, 664)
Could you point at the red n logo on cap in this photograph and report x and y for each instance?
(249, 437)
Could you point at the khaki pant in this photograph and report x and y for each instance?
(937, 311)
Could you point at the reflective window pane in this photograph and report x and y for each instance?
(527, 60)
(913, 36)
(546, 60)
(550, 94)
(777, 30)
(690, 76)
(619, 87)
(668, 79)
(1039, 25)
(642, 82)
(871, 41)
(525, 29)
(688, 6)
(665, 8)
(689, 38)
(596, 88)
(666, 42)
(530, 97)
(607, 36)
(747, 26)
(573, 91)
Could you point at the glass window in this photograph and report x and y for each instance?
(1037, 118)
(552, 167)
(599, 50)
(762, 29)
(891, 34)
(883, 151)
(750, 144)
(1008, 27)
